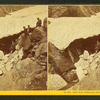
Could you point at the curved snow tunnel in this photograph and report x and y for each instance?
(5, 42)
(77, 47)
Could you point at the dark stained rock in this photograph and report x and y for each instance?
(58, 60)
(73, 11)
(38, 33)
(56, 82)
(70, 76)
(61, 65)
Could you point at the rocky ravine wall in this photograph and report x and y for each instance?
(73, 11)
(5, 10)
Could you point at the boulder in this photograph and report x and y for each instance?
(1, 55)
(42, 49)
(61, 65)
(90, 82)
(44, 39)
(83, 65)
(56, 82)
(58, 60)
(23, 41)
(27, 66)
(37, 34)
(41, 30)
(26, 75)
(70, 76)
(32, 71)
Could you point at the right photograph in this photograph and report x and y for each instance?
(74, 47)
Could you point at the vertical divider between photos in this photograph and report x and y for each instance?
(47, 50)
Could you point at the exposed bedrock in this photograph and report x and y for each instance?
(72, 11)
(63, 61)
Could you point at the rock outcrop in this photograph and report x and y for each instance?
(73, 11)
(25, 70)
(61, 65)
(26, 75)
(6, 10)
(76, 62)
(59, 61)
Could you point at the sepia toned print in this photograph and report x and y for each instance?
(74, 47)
(23, 47)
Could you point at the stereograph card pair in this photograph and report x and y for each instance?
(49, 49)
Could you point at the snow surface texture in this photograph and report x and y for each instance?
(13, 24)
(64, 30)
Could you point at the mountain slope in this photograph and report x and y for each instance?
(5, 10)
(73, 11)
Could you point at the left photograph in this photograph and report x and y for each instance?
(23, 47)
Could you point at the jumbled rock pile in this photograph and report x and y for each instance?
(26, 67)
(61, 70)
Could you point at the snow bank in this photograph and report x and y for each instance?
(12, 24)
(62, 31)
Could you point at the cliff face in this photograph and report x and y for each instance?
(72, 11)
(5, 10)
